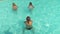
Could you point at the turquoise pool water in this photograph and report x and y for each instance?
(45, 16)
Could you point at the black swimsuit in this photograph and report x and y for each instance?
(29, 28)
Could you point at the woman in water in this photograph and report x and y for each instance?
(28, 24)
(14, 6)
(30, 6)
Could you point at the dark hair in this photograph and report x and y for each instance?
(30, 3)
(14, 4)
(28, 18)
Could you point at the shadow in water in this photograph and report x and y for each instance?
(8, 32)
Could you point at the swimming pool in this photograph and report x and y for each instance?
(45, 16)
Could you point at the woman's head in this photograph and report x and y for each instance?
(30, 3)
(28, 18)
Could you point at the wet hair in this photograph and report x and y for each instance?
(30, 3)
(28, 19)
(14, 4)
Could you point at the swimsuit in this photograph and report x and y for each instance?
(29, 27)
